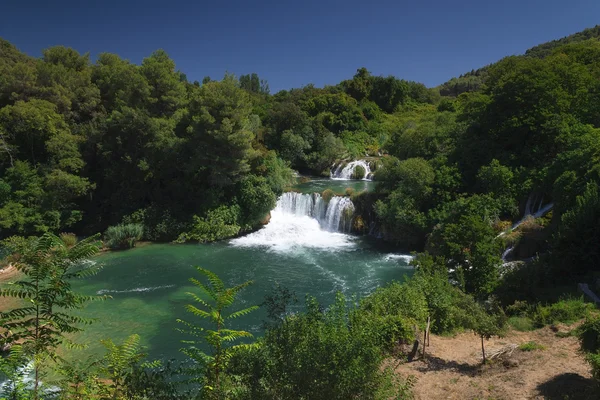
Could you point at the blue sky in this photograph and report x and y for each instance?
(293, 43)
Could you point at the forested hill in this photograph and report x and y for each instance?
(472, 81)
(84, 146)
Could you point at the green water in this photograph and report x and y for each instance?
(148, 285)
(337, 185)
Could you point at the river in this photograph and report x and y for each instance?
(148, 284)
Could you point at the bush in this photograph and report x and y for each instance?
(531, 346)
(123, 236)
(319, 354)
(220, 223)
(159, 224)
(359, 172)
(566, 311)
(589, 338)
(594, 360)
(327, 195)
(589, 335)
(69, 239)
(349, 192)
(521, 324)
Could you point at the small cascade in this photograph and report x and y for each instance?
(507, 253)
(344, 171)
(534, 207)
(335, 216)
(338, 216)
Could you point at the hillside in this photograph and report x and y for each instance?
(472, 81)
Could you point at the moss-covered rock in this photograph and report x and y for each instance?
(359, 172)
(327, 195)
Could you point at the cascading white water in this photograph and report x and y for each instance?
(345, 171)
(335, 216)
(305, 220)
(507, 253)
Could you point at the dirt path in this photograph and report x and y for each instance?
(452, 370)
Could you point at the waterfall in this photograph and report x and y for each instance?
(507, 253)
(335, 216)
(345, 171)
(305, 221)
(534, 207)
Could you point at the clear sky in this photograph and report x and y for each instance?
(293, 43)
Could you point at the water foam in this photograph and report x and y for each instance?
(134, 290)
(392, 257)
(345, 171)
(286, 231)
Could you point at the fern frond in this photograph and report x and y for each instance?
(241, 313)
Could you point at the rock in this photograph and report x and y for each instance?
(510, 363)
(266, 219)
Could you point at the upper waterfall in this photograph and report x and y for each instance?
(345, 171)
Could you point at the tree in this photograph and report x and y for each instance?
(214, 300)
(167, 91)
(218, 135)
(487, 323)
(48, 266)
(471, 251)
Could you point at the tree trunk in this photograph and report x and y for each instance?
(482, 349)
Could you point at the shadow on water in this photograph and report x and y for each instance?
(569, 386)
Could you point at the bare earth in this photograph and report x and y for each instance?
(7, 274)
(452, 369)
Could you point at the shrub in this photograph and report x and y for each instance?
(566, 311)
(349, 192)
(501, 226)
(123, 236)
(521, 324)
(327, 195)
(530, 225)
(531, 346)
(589, 335)
(594, 360)
(386, 330)
(589, 338)
(159, 224)
(220, 223)
(319, 354)
(359, 172)
(69, 239)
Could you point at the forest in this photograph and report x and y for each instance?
(138, 152)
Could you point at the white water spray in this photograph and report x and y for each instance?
(305, 220)
(344, 171)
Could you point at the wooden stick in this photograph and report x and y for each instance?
(424, 339)
(427, 331)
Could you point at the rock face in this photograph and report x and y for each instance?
(266, 219)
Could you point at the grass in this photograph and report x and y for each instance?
(521, 324)
(531, 346)
(567, 311)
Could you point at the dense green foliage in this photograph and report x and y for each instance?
(213, 301)
(139, 151)
(589, 337)
(123, 236)
(46, 319)
(85, 146)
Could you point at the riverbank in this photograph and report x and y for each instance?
(452, 368)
